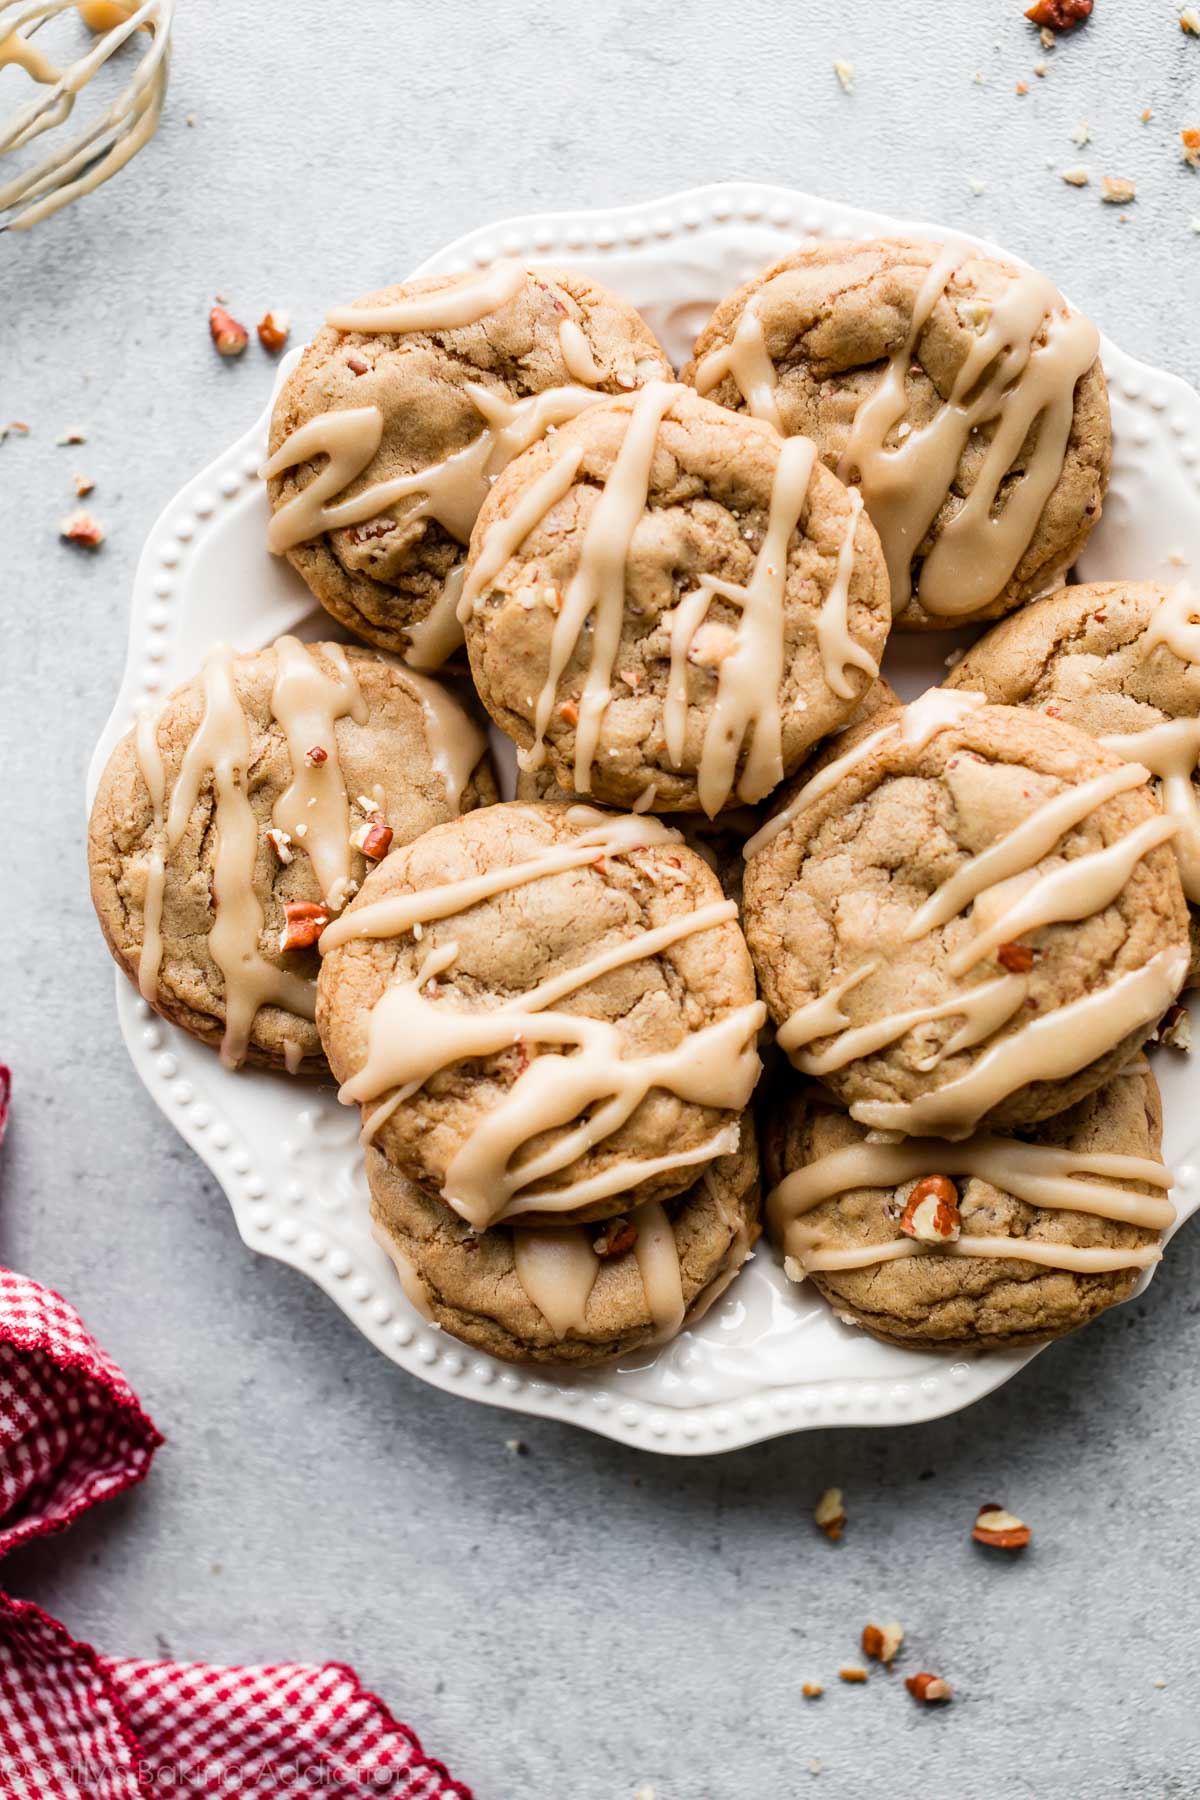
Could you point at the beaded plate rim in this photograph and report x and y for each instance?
(275, 1218)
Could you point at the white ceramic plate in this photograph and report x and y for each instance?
(769, 1357)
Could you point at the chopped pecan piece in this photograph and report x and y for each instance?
(999, 1529)
(305, 923)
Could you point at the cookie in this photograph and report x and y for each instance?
(543, 1010)
(230, 824)
(956, 391)
(668, 607)
(572, 1294)
(967, 912)
(1121, 660)
(418, 396)
(995, 1241)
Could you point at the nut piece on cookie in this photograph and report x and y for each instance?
(965, 913)
(546, 1013)
(725, 604)
(549, 1294)
(1045, 1242)
(1120, 660)
(957, 392)
(219, 842)
(419, 396)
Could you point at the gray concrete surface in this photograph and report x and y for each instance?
(573, 1623)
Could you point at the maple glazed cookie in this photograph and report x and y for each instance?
(230, 825)
(1121, 660)
(667, 607)
(543, 1010)
(965, 912)
(575, 1294)
(994, 1241)
(388, 433)
(956, 391)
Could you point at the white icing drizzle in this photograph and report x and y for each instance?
(557, 1267)
(597, 588)
(601, 834)
(1045, 1049)
(619, 1177)
(411, 1036)
(505, 536)
(915, 725)
(746, 358)
(410, 1280)
(221, 748)
(839, 651)
(577, 356)
(1170, 751)
(658, 1264)
(307, 703)
(150, 761)
(1020, 372)
(1075, 891)
(451, 491)
(1040, 1175)
(448, 308)
(438, 635)
(1027, 843)
(984, 1009)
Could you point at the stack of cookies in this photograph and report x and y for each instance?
(964, 918)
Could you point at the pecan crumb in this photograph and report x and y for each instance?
(82, 528)
(845, 73)
(883, 1641)
(999, 1529)
(812, 1690)
(316, 756)
(1189, 20)
(1117, 191)
(931, 1214)
(1077, 176)
(83, 486)
(829, 1513)
(357, 365)
(1018, 959)
(273, 330)
(74, 434)
(305, 923)
(616, 1237)
(1189, 137)
(1059, 15)
(852, 1672)
(927, 1687)
(229, 337)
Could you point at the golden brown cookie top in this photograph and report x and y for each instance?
(668, 607)
(543, 1009)
(230, 823)
(955, 390)
(579, 1294)
(419, 395)
(967, 911)
(1000, 1239)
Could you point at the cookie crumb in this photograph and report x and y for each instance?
(1077, 176)
(82, 528)
(74, 434)
(1046, 37)
(1021, 88)
(1158, 1682)
(83, 486)
(1146, 114)
(1081, 135)
(814, 1767)
(1117, 191)
(830, 1514)
(1189, 137)
(1189, 20)
(976, 186)
(516, 1446)
(1175, 1031)
(645, 1792)
(845, 73)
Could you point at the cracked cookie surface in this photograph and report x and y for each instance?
(831, 907)
(469, 1284)
(832, 315)
(935, 1301)
(497, 950)
(386, 756)
(706, 516)
(382, 576)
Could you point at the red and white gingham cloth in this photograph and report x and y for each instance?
(76, 1725)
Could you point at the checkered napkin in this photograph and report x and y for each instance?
(75, 1725)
